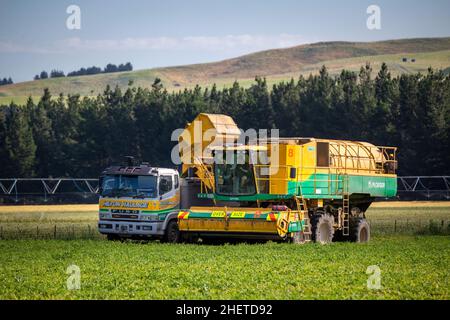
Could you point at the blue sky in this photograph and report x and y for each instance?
(34, 36)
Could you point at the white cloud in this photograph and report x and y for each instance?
(244, 42)
(9, 47)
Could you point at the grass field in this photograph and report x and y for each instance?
(414, 261)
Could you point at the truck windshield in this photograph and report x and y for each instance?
(129, 186)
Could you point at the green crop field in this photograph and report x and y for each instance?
(410, 246)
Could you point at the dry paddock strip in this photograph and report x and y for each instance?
(94, 207)
(49, 208)
(417, 204)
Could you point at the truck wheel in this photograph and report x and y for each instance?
(360, 230)
(322, 228)
(172, 232)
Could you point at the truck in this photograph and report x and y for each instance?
(139, 202)
(310, 190)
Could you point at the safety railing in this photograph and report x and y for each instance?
(359, 157)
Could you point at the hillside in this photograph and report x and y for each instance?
(276, 65)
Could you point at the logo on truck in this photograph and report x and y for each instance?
(125, 204)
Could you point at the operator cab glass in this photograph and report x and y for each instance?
(235, 176)
(129, 186)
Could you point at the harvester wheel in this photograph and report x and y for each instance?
(359, 230)
(172, 232)
(322, 228)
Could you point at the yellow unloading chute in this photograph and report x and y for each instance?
(199, 138)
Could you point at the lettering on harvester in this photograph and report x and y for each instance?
(378, 185)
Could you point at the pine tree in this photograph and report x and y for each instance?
(42, 132)
(19, 143)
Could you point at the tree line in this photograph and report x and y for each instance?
(6, 81)
(79, 136)
(85, 71)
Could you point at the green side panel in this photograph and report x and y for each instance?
(373, 185)
(320, 186)
(295, 226)
(324, 186)
(260, 196)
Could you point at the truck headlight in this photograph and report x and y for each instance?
(104, 215)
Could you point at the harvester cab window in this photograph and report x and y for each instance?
(165, 184)
(236, 178)
(323, 154)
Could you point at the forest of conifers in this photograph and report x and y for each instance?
(79, 136)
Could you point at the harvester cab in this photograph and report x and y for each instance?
(234, 170)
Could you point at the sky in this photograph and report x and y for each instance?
(34, 35)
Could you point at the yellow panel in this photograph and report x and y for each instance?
(278, 172)
(283, 158)
(233, 225)
(308, 160)
(229, 209)
(207, 130)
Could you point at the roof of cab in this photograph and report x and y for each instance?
(141, 170)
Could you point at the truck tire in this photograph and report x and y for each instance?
(172, 234)
(322, 228)
(359, 230)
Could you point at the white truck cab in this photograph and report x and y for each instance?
(139, 202)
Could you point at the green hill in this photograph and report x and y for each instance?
(275, 65)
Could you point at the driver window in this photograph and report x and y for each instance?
(177, 181)
(165, 184)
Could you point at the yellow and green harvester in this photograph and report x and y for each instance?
(303, 188)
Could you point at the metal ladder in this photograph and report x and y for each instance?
(204, 174)
(345, 207)
(301, 205)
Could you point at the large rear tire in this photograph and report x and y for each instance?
(360, 230)
(173, 234)
(322, 228)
